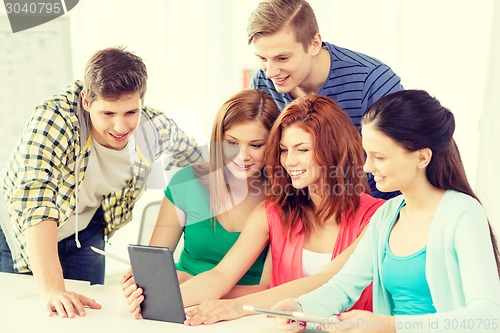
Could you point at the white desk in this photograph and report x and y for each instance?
(20, 312)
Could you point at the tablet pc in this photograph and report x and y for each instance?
(296, 315)
(154, 271)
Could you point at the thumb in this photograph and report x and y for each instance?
(348, 315)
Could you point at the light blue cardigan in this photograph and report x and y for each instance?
(460, 269)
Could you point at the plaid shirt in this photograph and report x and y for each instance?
(39, 183)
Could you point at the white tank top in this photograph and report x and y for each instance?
(314, 262)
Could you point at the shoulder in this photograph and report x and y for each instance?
(184, 175)
(367, 202)
(151, 113)
(456, 206)
(352, 57)
(66, 101)
(388, 208)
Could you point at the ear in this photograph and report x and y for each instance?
(85, 102)
(423, 157)
(316, 44)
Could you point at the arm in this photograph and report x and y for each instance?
(168, 230)
(239, 291)
(169, 225)
(213, 311)
(41, 240)
(175, 142)
(217, 282)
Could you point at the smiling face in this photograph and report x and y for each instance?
(297, 157)
(243, 149)
(393, 167)
(284, 60)
(114, 121)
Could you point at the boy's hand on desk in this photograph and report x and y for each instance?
(212, 311)
(67, 304)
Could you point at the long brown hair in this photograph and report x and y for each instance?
(337, 150)
(416, 120)
(245, 105)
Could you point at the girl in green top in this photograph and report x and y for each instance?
(210, 202)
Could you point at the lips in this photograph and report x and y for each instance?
(378, 178)
(296, 173)
(120, 137)
(242, 166)
(281, 80)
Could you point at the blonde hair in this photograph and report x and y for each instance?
(246, 105)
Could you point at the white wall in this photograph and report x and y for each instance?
(195, 51)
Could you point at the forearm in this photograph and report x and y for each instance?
(41, 240)
(292, 289)
(240, 291)
(207, 285)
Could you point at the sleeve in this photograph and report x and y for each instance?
(181, 185)
(174, 142)
(41, 156)
(479, 279)
(256, 78)
(345, 288)
(380, 81)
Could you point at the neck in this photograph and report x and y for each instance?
(240, 188)
(424, 197)
(320, 68)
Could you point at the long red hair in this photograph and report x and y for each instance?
(337, 150)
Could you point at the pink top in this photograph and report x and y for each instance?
(287, 253)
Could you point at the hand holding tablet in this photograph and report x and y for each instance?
(295, 315)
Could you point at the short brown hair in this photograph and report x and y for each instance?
(273, 15)
(114, 72)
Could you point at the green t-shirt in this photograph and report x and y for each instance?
(205, 242)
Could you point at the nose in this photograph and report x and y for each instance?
(120, 125)
(368, 166)
(271, 69)
(244, 153)
(290, 159)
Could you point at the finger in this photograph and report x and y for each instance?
(67, 303)
(50, 310)
(125, 276)
(348, 315)
(128, 283)
(77, 305)
(134, 306)
(137, 313)
(135, 295)
(60, 310)
(192, 312)
(91, 303)
(128, 291)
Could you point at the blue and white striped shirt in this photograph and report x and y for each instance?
(355, 81)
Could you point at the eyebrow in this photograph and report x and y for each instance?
(296, 145)
(228, 135)
(281, 54)
(136, 109)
